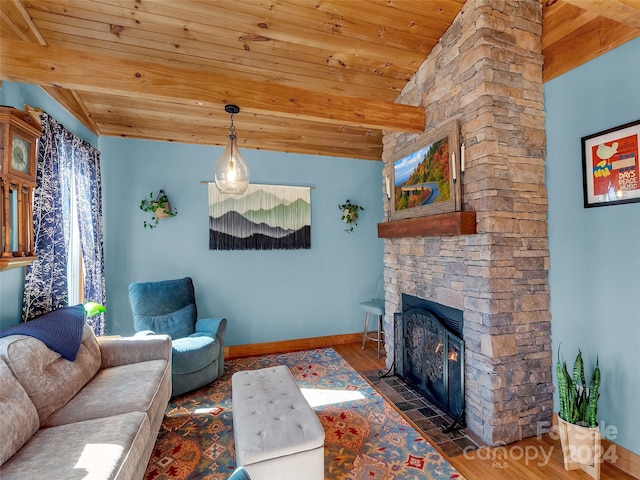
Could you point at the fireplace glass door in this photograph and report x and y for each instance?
(431, 359)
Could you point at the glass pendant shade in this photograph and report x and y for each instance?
(231, 171)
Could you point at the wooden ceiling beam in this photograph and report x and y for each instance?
(363, 84)
(66, 68)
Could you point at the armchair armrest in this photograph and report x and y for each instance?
(215, 326)
(126, 350)
(144, 333)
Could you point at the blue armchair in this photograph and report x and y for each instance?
(169, 307)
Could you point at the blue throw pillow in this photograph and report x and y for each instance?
(178, 324)
(60, 330)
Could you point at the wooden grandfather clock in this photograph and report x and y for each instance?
(19, 133)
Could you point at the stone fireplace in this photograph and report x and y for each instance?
(486, 72)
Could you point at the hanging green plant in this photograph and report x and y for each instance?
(350, 214)
(159, 207)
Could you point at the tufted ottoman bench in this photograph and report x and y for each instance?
(277, 434)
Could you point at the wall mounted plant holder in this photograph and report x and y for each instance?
(350, 214)
(159, 207)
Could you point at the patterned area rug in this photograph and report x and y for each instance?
(365, 438)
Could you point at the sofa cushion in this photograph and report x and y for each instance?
(60, 330)
(135, 387)
(98, 449)
(50, 380)
(178, 324)
(19, 419)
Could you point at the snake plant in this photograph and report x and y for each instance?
(578, 404)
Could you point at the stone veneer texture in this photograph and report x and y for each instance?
(486, 72)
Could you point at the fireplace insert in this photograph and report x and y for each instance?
(429, 356)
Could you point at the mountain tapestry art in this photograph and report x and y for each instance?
(265, 217)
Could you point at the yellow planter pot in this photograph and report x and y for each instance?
(581, 447)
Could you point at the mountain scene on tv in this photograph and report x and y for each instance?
(422, 178)
(264, 218)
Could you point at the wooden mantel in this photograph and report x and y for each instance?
(455, 223)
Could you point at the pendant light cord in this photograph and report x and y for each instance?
(232, 129)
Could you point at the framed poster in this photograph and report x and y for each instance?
(610, 166)
(425, 175)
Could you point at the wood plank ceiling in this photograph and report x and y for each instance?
(310, 76)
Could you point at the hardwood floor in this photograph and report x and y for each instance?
(529, 459)
(361, 360)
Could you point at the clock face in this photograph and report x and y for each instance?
(20, 154)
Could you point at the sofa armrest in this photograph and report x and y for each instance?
(215, 326)
(126, 350)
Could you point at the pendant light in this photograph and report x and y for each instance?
(231, 172)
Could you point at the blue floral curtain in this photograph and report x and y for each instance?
(65, 164)
(85, 162)
(46, 280)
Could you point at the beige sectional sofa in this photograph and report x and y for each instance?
(95, 417)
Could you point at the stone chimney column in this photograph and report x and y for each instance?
(486, 72)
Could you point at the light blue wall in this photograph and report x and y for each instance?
(595, 252)
(266, 295)
(16, 95)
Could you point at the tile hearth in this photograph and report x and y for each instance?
(428, 418)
